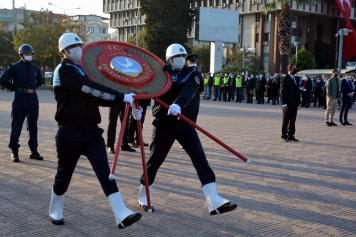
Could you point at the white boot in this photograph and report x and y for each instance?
(56, 209)
(124, 217)
(216, 204)
(142, 198)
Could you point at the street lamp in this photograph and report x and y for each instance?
(137, 16)
(341, 32)
(296, 52)
(64, 10)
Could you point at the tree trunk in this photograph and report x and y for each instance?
(284, 31)
(284, 63)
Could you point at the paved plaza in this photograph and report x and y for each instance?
(305, 188)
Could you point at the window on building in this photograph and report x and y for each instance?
(91, 29)
(258, 17)
(104, 31)
(98, 30)
(257, 37)
(294, 18)
(19, 16)
(299, 21)
(266, 37)
(268, 17)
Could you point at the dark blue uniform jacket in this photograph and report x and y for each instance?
(184, 91)
(22, 75)
(78, 98)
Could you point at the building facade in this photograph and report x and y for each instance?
(11, 19)
(96, 27)
(319, 20)
(125, 17)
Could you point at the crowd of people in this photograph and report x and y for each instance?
(247, 87)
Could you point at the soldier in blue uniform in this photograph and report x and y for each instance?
(183, 97)
(23, 78)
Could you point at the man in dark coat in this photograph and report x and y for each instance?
(290, 100)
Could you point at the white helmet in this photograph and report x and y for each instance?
(68, 39)
(175, 49)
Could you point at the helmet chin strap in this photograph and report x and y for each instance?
(68, 55)
(23, 59)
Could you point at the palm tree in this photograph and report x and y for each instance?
(284, 26)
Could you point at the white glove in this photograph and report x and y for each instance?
(137, 113)
(128, 98)
(174, 109)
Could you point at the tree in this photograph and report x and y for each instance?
(322, 54)
(255, 65)
(304, 59)
(238, 55)
(141, 38)
(284, 26)
(203, 53)
(167, 22)
(7, 53)
(42, 31)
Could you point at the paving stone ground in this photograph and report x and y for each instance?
(305, 188)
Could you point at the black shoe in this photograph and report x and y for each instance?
(214, 99)
(35, 155)
(284, 139)
(333, 124)
(126, 147)
(347, 123)
(224, 208)
(267, 102)
(327, 124)
(144, 144)
(292, 138)
(57, 222)
(343, 124)
(15, 155)
(130, 220)
(324, 107)
(111, 150)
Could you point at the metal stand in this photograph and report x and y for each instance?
(117, 151)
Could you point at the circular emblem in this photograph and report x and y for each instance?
(126, 66)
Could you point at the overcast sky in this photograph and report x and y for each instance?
(87, 7)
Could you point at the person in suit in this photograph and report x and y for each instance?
(250, 86)
(261, 89)
(347, 95)
(273, 88)
(306, 86)
(290, 100)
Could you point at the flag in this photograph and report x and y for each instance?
(349, 41)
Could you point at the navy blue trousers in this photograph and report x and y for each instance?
(163, 137)
(70, 145)
(18, 117)
(345, 106)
